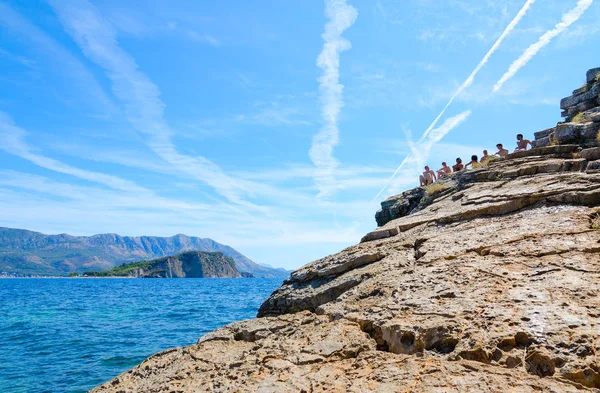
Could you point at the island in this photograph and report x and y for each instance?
(190, 264)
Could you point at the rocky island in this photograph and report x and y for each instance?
(191, 264)
(488, 283)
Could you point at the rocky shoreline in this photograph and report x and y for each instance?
(490, 284)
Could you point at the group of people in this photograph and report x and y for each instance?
(430, 176)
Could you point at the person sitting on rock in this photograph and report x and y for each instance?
(502, 152)
(458, 166)
(444, 170)
(485, 157)
(428, 177)
(474, 162)
(522, 143)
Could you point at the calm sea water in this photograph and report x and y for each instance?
(70, 335)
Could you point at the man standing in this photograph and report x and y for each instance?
(428, 177)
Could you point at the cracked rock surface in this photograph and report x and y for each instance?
(494, 285)
(490, 285)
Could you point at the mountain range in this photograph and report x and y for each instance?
(24, 252)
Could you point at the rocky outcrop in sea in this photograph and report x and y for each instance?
(191, 264)
(490, 283)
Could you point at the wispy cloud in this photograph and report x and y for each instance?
(70, 66)
(420, 150)
(204, 38)
(341, 16)
(19, 59)
(272, 116)
(140, 96)
(12, 141)
(567, 20)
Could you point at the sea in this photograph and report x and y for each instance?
(72, 334)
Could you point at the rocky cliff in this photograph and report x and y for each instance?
(191, 264)
(490, 283)
(27, 252)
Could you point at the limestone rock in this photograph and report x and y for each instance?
(492, 285)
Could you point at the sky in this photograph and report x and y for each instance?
(276, 126)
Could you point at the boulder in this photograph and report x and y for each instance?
(592, 74)
(591, 154)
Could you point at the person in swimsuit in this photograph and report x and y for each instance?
(474, 162)
(502, 152)
(459, 165)
(484, 157)
(522, 143)
(428, 177)
(444, 170)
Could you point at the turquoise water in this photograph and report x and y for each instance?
(70, 335)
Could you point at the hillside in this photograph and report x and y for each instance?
(488, 282)
(190, 264)
(26, 252)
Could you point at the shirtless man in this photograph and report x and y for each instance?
(522, 143)
(428, 177)
(502, 152)
(474, 162)
(459, 165)
(444, 170)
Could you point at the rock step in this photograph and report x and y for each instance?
(591, 94)
(544, 133)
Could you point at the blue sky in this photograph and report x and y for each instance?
(272, 126)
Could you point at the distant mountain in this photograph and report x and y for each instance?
(190, 264)
(26, 252)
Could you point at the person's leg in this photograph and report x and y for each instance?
(422, 180)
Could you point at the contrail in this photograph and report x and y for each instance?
(341, 16)
(567, 20)
(483, 61)
(467, 82)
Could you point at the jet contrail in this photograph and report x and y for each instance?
(567, 20)
(483, 61)
(468, 81)
(341, 17)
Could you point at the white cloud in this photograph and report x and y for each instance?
(140, 96)
(12, 141)
(567, 20)
(341, 16)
